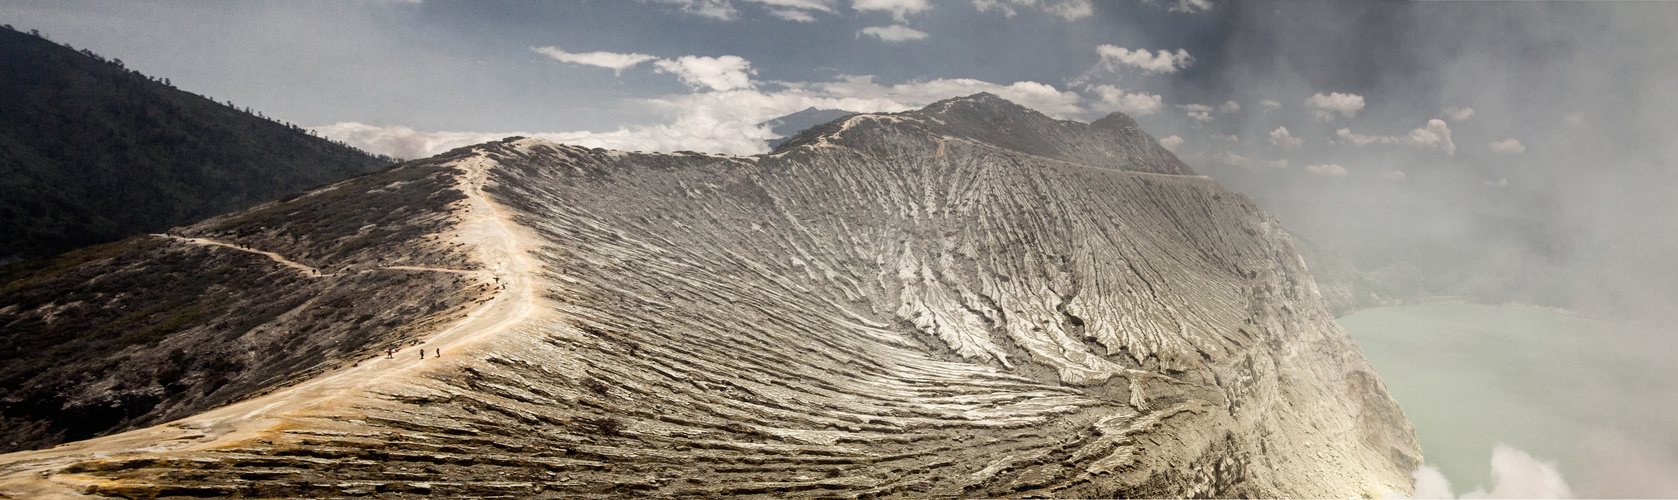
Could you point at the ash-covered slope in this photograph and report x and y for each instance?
(881, 309)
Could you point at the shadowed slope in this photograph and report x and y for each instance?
(91, 152)
(159, 327)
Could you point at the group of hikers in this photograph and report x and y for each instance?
(391, 353)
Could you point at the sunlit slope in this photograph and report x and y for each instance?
(887, 306)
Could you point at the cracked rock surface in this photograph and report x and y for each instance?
(969, 300)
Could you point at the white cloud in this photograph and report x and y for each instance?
(1430, 483)
(1509, 147)
(1519, 475)
(1327, 170)
(1457, 114)
(722, 121)
(614, 61)
(1227, 138)
(1497, 183)
(1006, 7)
(798, 10)
(1191, 6)
(719, 73)
(715, 9)
(1346, 135)
(1038, 96)
(1070, 10)
(1436, 135)
(903, 96)
(1398, 175)
(1236, 160)
(899, 9)
(1269, 105)
(1197, 112)
(821, 5)
(1130, 103)
(1324, 107)
(893, 33)
(717, 122)
(1114, 57)
(1515, 474)
(1282, 139)
(1183, 6)
(1041, 97)
(399, 141)
(1229, 107)
(1171, 142)
(793, 15)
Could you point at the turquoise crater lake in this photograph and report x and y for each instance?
(1598, 398)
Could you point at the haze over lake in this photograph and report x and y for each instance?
(1472, 376)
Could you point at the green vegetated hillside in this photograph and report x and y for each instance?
(91, 152)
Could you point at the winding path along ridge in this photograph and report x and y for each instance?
(498, 243)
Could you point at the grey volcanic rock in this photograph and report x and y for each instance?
(888, 306)
(1112, 142)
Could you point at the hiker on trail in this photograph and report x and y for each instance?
(422, 353)
(439, 352)
(387, 353)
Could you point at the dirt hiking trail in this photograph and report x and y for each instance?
(499, 244)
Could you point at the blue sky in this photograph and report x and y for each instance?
(472, 67)
(1551, 111)
(1494, 106)
(1497, 106)
(412, 78)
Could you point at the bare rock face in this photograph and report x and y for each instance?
(967, 300)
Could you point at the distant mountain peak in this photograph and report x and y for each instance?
(1117, 121)
(1115, 141)
(983, 102)
(786, 127)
